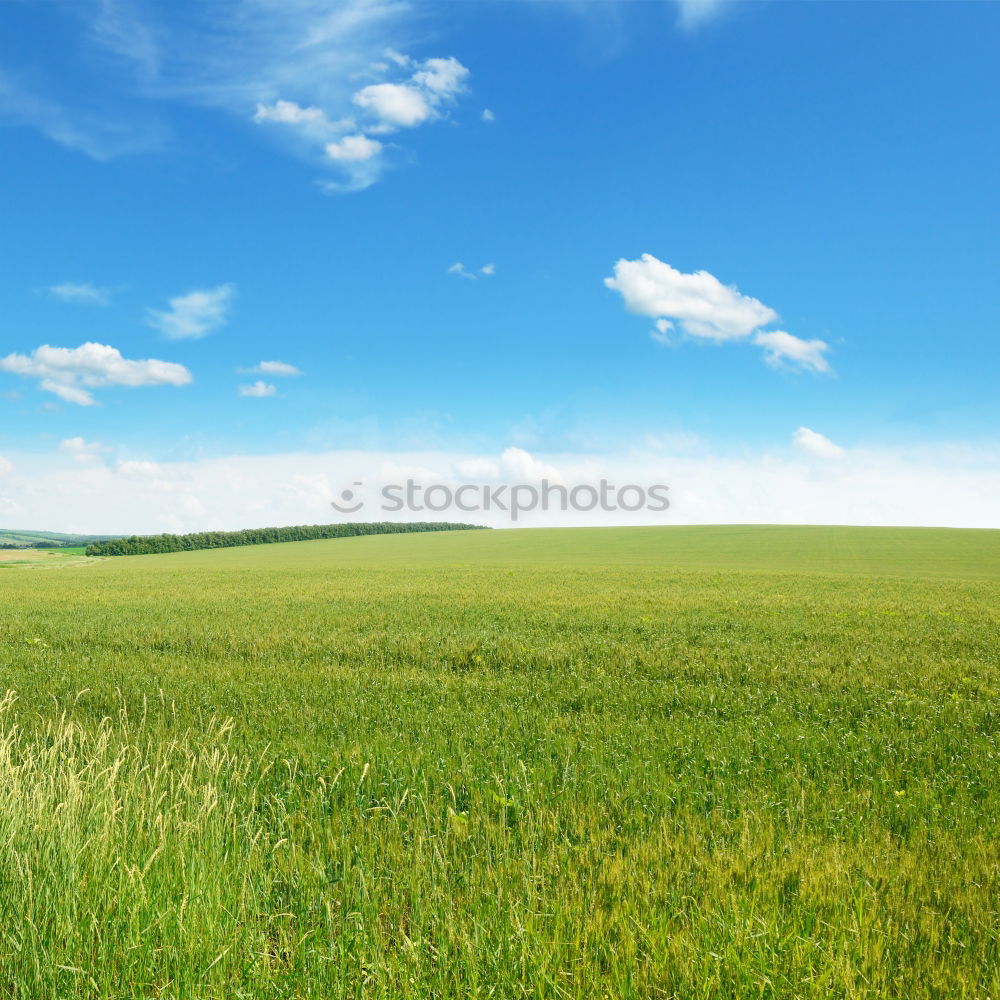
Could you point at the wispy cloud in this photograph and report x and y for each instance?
(703, 307)
(82, 293)
(271, 368)
(785, 350)
(102, 133)
(258, 390)
(120, 28)
(195, 314)
(70, 372)
(325, 71)
(693, 13)
(461, 271)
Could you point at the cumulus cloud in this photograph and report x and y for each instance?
(703, 307)
(271, 368)
(195, 314)
(442, 78)
(69, 372)
(258, 390)
(783, 349)
(82, 293)
(397, 105)
(386, 106)
(488, 116)
(353, 149)
(816, 444)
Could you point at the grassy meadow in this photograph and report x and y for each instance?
(599, 763)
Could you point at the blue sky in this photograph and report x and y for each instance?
(813, 186)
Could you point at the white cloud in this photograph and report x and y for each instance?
(692, 13)
(139, 469)
(258, 390)
(290, 113)
(293, 65)
(82, 450)
(434, 83)
(353, 149)
(81, 292)
(385, 106)
(195, 314)
(514, 465)
(863, 486)
(271, 368)
(488, 116)
(460, 271)
(68, 393)
(310, 124)
(519, 465)
(395, 104)
(816, 444)
(443, 78)
(702, 305)
(69, 372)
(6, 467)
(414, 94)
(661, 331)
(403, 61)
(782, 348)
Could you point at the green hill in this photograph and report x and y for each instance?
(21, 539)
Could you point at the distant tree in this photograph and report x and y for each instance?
(136, 545)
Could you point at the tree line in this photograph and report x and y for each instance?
(39, 545)
(139, 545)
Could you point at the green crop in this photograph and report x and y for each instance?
(602, 763)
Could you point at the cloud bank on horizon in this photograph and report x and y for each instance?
(812, 481)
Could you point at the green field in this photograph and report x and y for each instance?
(65, 556)
(598, 763)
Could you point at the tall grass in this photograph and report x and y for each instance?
(284, 777)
